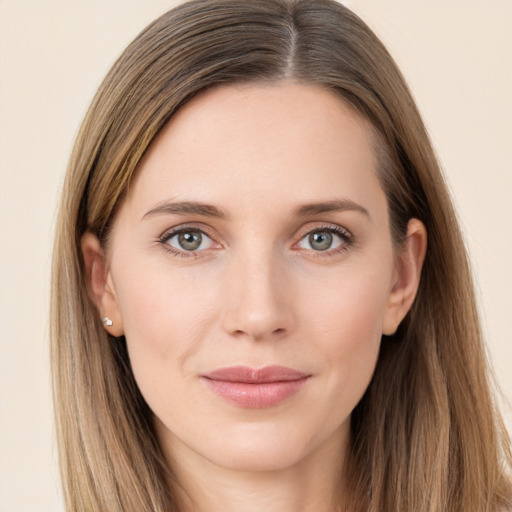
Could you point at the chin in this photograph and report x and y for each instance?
(267, 448)
(258, 457)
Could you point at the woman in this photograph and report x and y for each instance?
(261, 295)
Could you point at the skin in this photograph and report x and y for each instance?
(258, 291)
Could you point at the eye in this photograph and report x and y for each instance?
(189, 240)
(324, 239)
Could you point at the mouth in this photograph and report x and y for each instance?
(255, 388)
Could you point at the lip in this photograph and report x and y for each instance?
(255, 388)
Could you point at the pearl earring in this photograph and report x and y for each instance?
(107, 321)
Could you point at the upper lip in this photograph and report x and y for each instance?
(248, 375)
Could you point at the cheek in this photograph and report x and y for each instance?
(348, 323)
(351, 303)
(167, 314)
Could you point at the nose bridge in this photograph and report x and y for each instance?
(259, 304)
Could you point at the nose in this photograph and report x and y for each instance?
(259, 299)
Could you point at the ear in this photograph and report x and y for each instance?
(99, 283)
(409, 261)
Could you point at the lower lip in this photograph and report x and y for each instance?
(256, 396)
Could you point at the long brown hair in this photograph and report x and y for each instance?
(426, 436)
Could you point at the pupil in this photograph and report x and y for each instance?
(190, 240)
(321, 240)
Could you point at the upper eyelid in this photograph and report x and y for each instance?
(335, 228)
(170, 232)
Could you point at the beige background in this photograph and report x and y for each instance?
(456, 55)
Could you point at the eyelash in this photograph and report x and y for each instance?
(347, 240)
(164, 239)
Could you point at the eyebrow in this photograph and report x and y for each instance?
(208, 210)
(185, 208)
(336, 205)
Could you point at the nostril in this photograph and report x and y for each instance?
(257, 314)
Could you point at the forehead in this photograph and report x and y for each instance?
(254, 140)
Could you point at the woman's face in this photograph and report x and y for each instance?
(252, 272)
